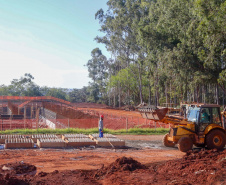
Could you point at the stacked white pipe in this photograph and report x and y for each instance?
(11, 136)
(75, 136)
(79, 140)
(105, 135)
(50, 140)
(44, 136)
(19, 140)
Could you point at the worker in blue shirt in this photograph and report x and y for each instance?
(204, 116)
(101, 126)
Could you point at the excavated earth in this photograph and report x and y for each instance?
(144, 161)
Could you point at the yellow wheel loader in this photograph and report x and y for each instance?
(204, 126)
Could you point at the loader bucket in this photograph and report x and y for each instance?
(153, 113)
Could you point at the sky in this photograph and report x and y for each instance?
(50, 39)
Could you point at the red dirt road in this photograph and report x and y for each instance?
(48, 160)
(152, 164)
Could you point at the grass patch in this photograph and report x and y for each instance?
(132, 131)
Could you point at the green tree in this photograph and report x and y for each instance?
(24, 86)
(97, 68)
(55, 92)
(78, 95)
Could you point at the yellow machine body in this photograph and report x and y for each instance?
(178, 131)
(202, 127)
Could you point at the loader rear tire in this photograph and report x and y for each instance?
(166, 142)
(185, 144)
(216, 139)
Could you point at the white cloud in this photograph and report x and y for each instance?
(47, 70)
(21, 52)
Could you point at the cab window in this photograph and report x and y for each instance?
(216, 116)
(205, 117)
(193, 114)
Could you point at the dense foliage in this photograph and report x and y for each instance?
(26, 87)
(162, 51)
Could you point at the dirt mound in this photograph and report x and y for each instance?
(68, 112)
(127, 108)
(89, 105)
(17, 168)
(76, 114)
(7, 180)
(121, 164)
(67, 177)
(204, 167)
(15, 173)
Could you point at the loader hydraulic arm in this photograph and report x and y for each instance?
(159, 115)
(174, 121)
(224, 118)
(224, 113)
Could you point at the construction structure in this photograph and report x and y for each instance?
(17, 112)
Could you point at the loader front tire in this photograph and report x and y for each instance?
(185, 144)
(215, 139)
(166, 142)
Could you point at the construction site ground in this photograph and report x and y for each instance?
(144, 160)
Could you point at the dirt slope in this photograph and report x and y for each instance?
(204, 167)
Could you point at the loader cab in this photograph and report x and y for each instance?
(193, 114)
(204, 115)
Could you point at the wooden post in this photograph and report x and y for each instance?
(155, 125)
(68, 123)
(37, 117)
(126, 124)
(25, 112)
(32, 111)
(10, 122)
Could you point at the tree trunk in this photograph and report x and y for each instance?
(194, 95)
(119, 96)
(204, 94)
(217, 94)
(114, 99)
(149, 98)
(109, 100)
(197, 93)
(186, 89)
(141, 96)
(223, 98)
(156, 92)
(170, 93)
(140, 85)
(166, 94)
(201, 94)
